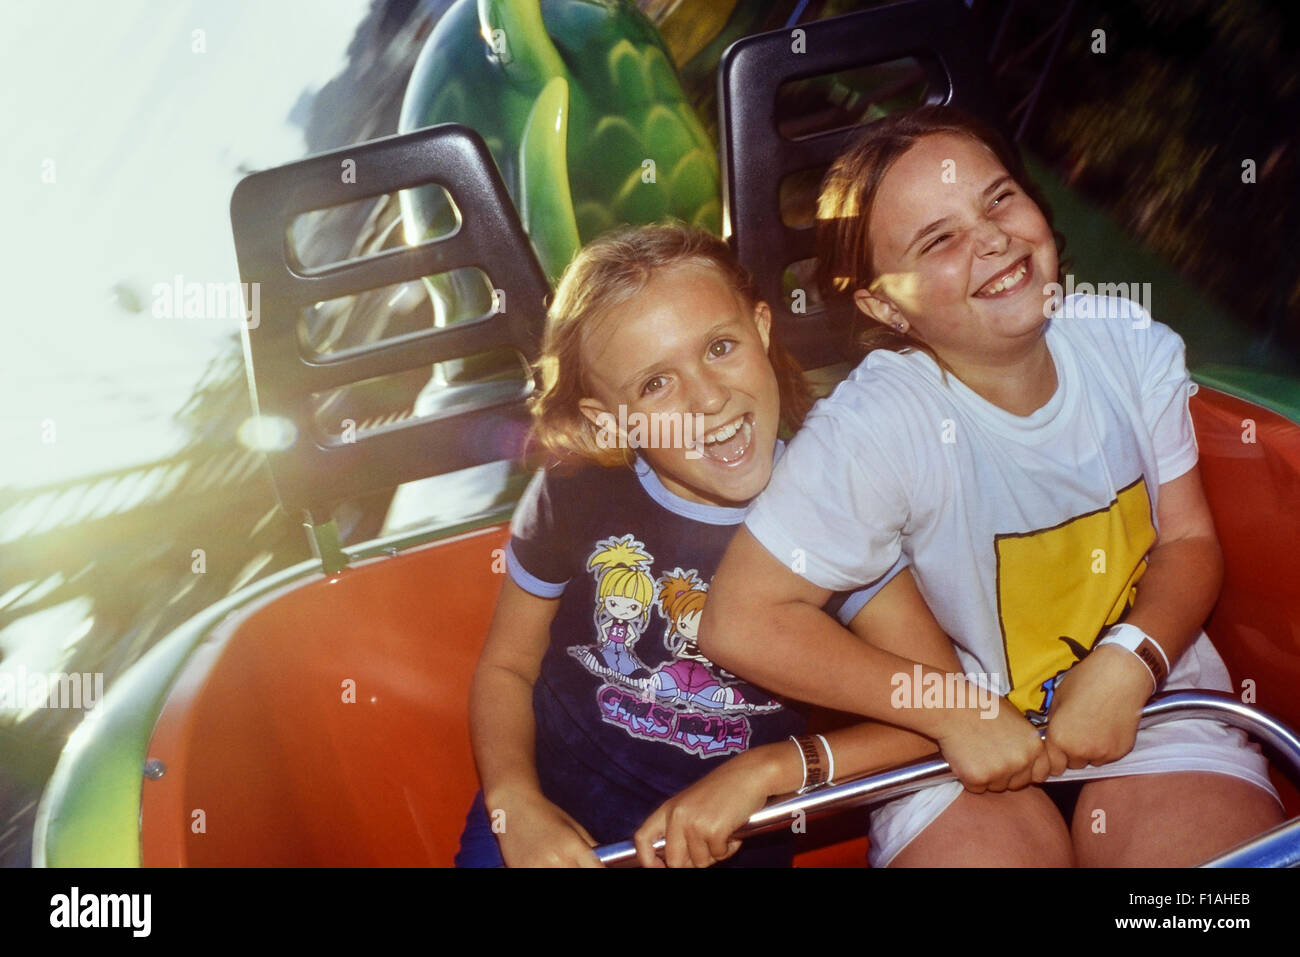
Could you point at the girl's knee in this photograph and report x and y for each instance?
(1177, 819)
(1005, 829)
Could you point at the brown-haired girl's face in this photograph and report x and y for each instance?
(687, 346)
(960, 252)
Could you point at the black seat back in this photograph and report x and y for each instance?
(756, 158)
(318, 471)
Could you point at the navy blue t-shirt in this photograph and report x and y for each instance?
(628, 711)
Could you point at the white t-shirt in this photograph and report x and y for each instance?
(1027, 535)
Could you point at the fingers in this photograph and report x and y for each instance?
(676, 850)
(1058, 758)
(684, 846)
(690, 842)
(1075, 750)
(1035, 771)
(721, 847)
(1006, 774)
(645, 838)
(589, 859)
(698, 846)
(1042, 768)
(1022, 777)
(1068, 755)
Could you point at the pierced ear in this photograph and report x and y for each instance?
(763, 320)
(880, 309)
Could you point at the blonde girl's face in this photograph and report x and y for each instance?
(686, 347)
(623, 609)
(960, 252)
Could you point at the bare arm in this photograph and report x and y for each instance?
(698, 823)
(1184, 570)
(1098, 705)
(765, 622)
(503, 736)
(898, 621)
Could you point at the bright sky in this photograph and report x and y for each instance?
(144, 135)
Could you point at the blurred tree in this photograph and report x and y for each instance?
(1157, 128)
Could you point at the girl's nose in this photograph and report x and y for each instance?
(709, 394)
(990, 238)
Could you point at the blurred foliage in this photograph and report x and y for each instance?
(1156, 130)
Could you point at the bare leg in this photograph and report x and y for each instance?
(1177, 819)
(1007, 829)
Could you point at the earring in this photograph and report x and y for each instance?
(899, 327)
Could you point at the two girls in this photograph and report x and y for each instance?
(593, 711)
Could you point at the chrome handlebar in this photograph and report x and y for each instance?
(1282, 844)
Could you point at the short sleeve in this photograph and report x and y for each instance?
(1166, 390)
(834, 509)
(536, 555)
(846, 605)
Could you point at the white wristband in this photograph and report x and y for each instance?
(804, 761)
(830, 760)
(1146, 648)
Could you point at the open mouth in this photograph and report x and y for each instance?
(1008, 282)
(729, 442)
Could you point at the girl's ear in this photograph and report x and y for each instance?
(603, 423)
(763, 320)
(881, 309)
(595, 413)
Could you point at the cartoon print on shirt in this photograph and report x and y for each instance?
(689, 678)
(683, 701)
(1059, 588)
(1039, 718)
(624, 594)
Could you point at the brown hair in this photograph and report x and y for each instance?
(605, 274)
(849, 191)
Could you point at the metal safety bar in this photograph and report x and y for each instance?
(1280, 844)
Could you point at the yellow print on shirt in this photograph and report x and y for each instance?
(1060, 587)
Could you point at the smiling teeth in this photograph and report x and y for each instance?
(1006, 282)
(724, 432)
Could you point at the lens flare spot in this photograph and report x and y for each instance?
(267, 433)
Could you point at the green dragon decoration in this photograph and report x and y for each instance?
(581, 108)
